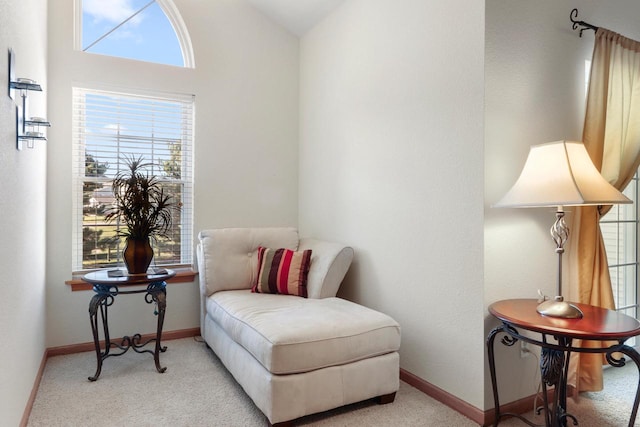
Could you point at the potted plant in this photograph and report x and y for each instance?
(143, 210)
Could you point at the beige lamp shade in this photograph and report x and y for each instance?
(560, 173)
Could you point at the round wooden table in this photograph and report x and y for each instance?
(607, 328)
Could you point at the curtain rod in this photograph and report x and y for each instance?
(586, 26)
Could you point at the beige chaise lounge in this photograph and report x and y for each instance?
(293, 356)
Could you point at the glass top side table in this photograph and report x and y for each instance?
(107, 285)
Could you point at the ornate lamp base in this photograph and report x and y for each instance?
(558, 307)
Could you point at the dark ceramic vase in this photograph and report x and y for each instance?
(137, 255)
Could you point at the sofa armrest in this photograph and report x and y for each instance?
(329, 264)
(202, 284)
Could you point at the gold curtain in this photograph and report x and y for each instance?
(611, 135)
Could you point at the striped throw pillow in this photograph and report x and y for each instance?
(282, 271)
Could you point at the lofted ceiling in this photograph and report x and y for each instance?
(297, 16)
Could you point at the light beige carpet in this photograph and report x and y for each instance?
(197, 390)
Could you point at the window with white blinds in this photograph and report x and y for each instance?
(108, 128)
(620, 228)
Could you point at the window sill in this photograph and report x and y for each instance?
(185, 275)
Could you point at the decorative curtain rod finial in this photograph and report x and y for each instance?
(573, 16)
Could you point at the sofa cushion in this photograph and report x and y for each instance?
(282, 271)
(287, 334)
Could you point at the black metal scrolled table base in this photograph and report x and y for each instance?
(155, 293)
(509, 340)
(618, 363)
(554, 366)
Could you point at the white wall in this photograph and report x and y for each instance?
(23, 27)
(534, 93)
(391, 149)
(246, 153)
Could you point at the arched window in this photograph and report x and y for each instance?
(145, 30)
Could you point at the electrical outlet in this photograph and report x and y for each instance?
(524, 349)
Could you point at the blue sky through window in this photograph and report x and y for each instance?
(148, 36)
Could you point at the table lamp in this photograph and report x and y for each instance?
(559, 174)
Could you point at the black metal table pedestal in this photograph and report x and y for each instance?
(155, 293)
(554, 368)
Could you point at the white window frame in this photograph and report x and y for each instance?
(622, 251)
(78, 168)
